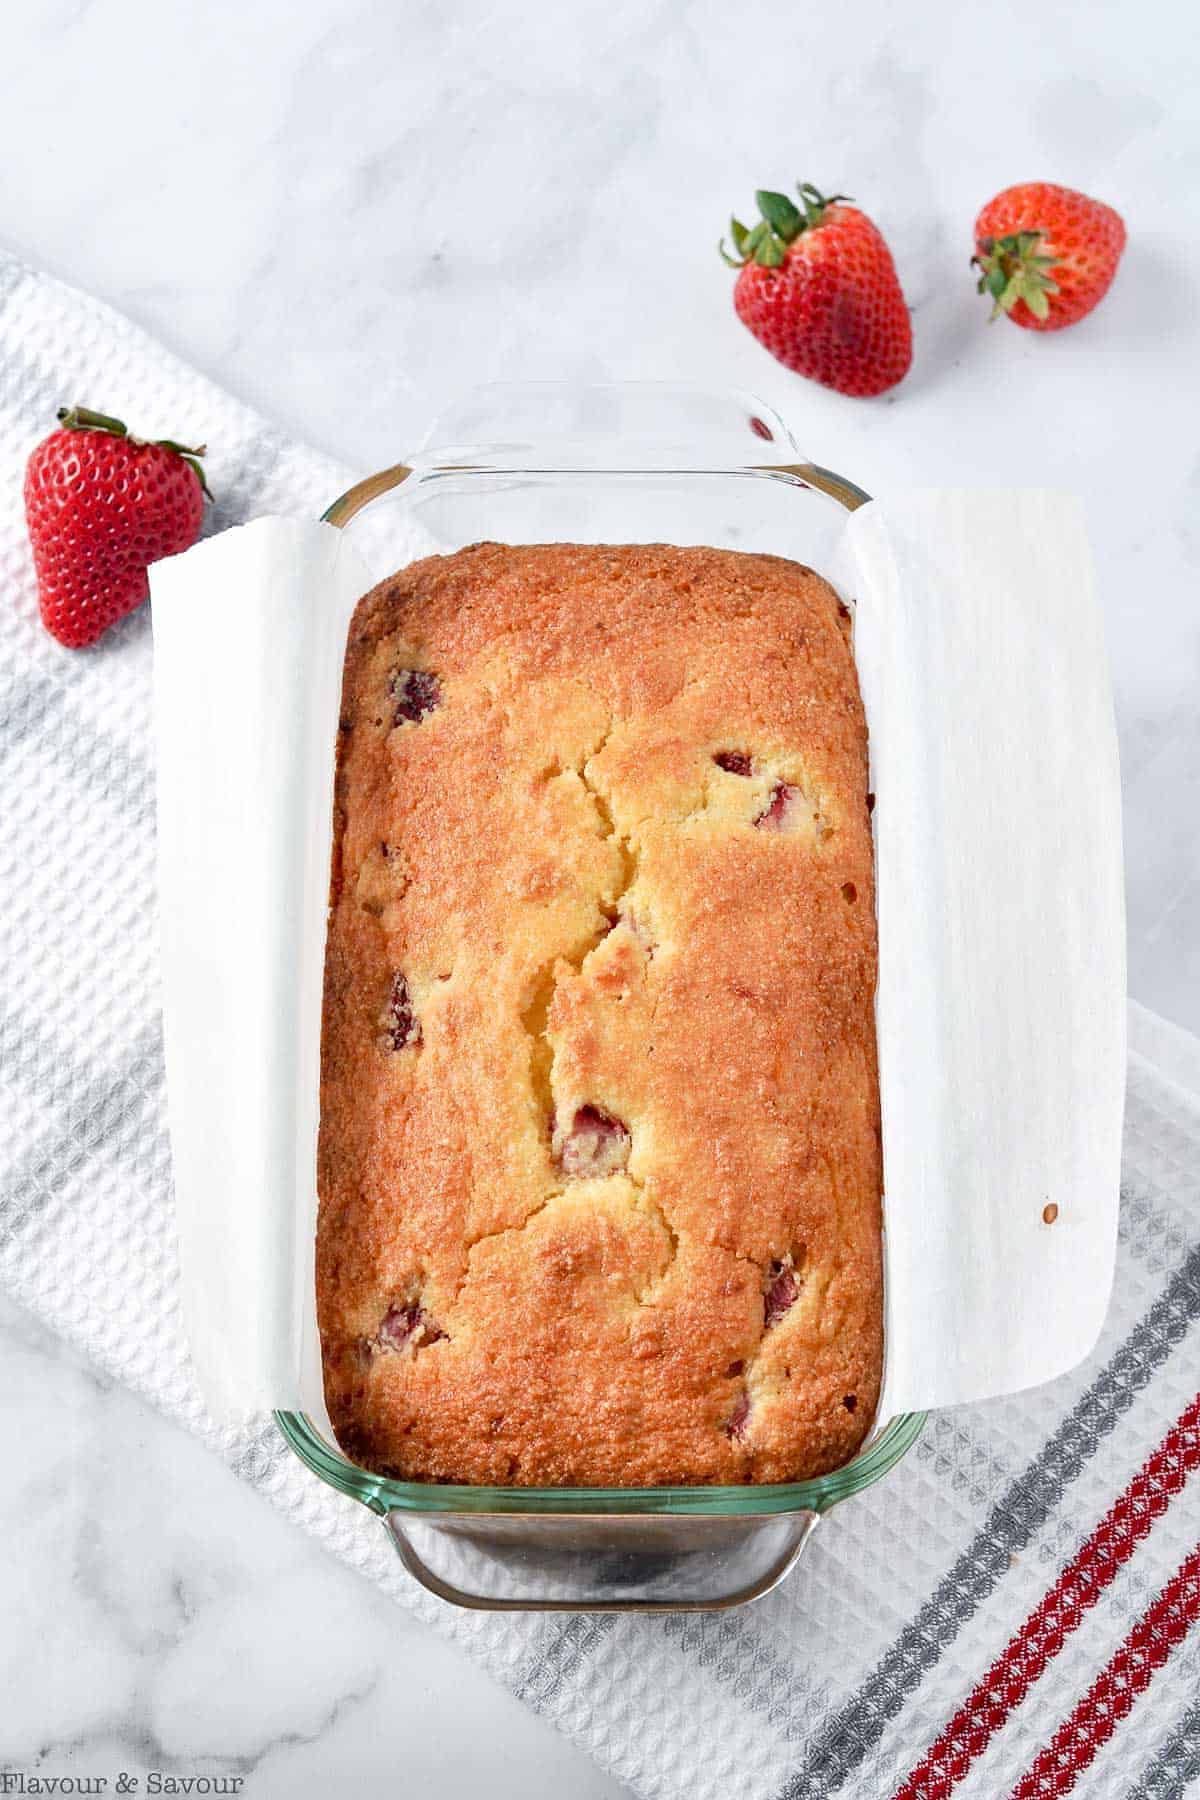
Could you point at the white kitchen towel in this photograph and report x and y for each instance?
(1008, 1612)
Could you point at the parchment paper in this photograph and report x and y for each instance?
(1001, 996)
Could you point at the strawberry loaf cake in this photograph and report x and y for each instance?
(599, 1160)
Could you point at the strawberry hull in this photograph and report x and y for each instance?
(1047, 255)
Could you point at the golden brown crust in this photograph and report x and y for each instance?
(599, 1160)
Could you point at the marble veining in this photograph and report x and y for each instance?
(158, 1615)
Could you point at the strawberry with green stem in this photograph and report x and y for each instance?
(818, 288)
(101, 506)
(1046, 255)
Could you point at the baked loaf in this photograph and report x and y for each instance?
(599, 1158)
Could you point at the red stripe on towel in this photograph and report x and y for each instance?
(1048, 1627)
(1074, 1745)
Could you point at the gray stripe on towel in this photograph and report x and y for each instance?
(23, 707)
(241, 485)
(96, 1110)
(13, 275)
(39, 1063)
(1175, 1765)
(740, 1655)
(106, 765)
(571, 1643)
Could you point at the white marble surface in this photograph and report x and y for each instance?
(347, 213)
(157, 1614)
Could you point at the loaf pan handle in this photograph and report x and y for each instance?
(521, 1562)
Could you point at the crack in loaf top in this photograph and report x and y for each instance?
(599, 1155)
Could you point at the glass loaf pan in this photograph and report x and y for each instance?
(636, 463)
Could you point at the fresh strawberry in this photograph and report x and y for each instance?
(819, 289)
(101, 506)
(1046, 254)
